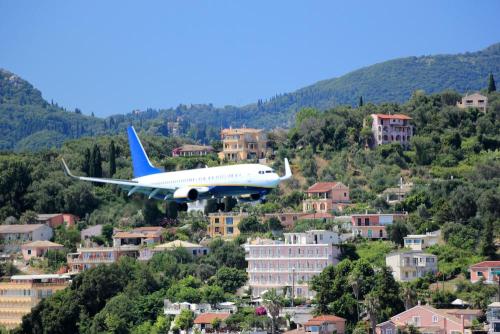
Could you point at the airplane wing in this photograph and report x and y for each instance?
(131, 185)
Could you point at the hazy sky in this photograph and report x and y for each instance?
(111, 57)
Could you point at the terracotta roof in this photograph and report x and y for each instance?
(319, 215)
(45, 216)
(41, 243)
(207, 318)
(463, 311)
(395, 116)
(128, 235)
(322, 319)
(187, 148)
(486, 264)
(321, 187)
(20, 228)
(148, 228)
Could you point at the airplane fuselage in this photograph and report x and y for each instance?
(234, 180)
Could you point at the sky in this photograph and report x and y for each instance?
(111, 57)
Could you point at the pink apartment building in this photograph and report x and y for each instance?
(428, 319)
(487, 270)
(290, 263)
(90, 257)
(388, 129)
(325, 197)
(373, 225)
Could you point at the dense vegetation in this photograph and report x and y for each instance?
(28, 122)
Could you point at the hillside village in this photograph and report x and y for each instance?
(379, 231)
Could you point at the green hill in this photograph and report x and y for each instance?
(28, 122)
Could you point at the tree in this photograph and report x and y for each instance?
(491, 84)
(360, 104)
(229, 203)
(184, 320)
(372, 306)
(171, 210)
(210, 206)
(397, 231)
(95, 162)
(151, 212)
(250, 224)
(408, 295)
(212, 294)
(28, 217)
(112, 158)
(488, 248)
(230, 279)
(273, 304)
(86, 162)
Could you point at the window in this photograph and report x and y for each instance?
(229, 230)
(216, 220)
(416, 320)
(435, 318)
(388, 331)
(229, 221)
(480, 273)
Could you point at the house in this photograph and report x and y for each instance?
(387, 129)
(170, 308)
(489, 271)
(395, 195)
(22, 292)
(428, 319)
(204, 321)
(38, 248)
(91, 231)
(324, 197)
(421, 241)
(292, 263)
(410, 265)
(224, 224)
(373, 225)
(13, 236)
(138, 236)
(475, 100)
(56, 219)
(243, 144)
(493, 318)
(192, 150)
(325, 324)
(193, 249)
(298, 314)
(89, 257)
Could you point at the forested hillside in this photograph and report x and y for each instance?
(28, 122)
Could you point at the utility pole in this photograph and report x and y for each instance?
(293, 285)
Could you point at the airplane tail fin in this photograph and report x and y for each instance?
(288, 171)
(140, 161)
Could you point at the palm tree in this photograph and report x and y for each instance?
(408, 295)
(273, 303)
(354, 280)
(372, 305)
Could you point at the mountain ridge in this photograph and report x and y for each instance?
(24, 112)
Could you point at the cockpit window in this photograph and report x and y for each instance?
(269, 171)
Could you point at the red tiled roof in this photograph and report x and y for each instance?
(319, 215)
(322, 319)
(207, 318)
(486, 264)
(321, 187)
(128, 235)
(396, 116)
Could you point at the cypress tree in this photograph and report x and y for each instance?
(487, 246)
(360, 101)
(96, 160)
(86, 162)
(491, 84)
(112, 159)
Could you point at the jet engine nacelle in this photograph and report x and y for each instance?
(187, 193)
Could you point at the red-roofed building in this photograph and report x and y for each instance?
(325, 324)
(324, 197)
(138, 236)
(487, 270)
(388, 129)
(373, 225)
(205, 320)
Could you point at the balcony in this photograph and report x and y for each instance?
(285, 270)
(93, 261)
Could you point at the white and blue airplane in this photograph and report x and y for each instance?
(247, 182)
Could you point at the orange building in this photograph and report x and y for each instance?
(325, 197)
(243, 144)
(23, 292)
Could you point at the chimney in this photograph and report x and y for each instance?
(418, 303)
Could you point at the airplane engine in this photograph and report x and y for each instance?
(188, 193)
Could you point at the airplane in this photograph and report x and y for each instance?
(247, 182)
